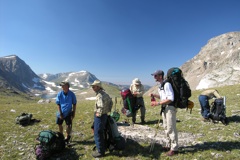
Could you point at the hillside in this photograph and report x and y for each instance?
(217, 64)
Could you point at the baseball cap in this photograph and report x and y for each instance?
(158, 72)
(64, 83)
(97, 83)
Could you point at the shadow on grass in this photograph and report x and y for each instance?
(234, 119)
(70, 152)
(219, 146)
(133, 149)
(153, 122)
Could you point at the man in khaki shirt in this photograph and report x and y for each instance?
(103, 106)
(204, 102)
(137, 90)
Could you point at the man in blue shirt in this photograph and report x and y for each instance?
(66, 102)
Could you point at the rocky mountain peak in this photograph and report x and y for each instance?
(16, 74)
(217, 63)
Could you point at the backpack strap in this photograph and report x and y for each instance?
(162, 85)
(162, 88)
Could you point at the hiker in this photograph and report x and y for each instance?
(103, 106)
(137, 90)
(66, 102)
(166, 96)
(204, 102)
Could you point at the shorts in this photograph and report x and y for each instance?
(68, 120)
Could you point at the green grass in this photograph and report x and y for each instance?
(215, 141)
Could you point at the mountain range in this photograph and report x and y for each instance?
(217, 64)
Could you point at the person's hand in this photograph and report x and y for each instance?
(61, 116)
(97, 114)
(135, 94)
(154, 103)
(73, 115)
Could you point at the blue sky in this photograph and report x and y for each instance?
(116, 40)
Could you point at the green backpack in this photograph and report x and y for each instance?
(51, 141)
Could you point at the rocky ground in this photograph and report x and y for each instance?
(143, 133)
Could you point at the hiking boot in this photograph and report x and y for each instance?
(96, 154)
(205, 119)
(166, 149)
(210, 116)
(67, 139)
(172, 153)
(143, 122)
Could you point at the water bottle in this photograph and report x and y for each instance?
(152, 98)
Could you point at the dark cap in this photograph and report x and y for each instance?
(63, 83)
(158, 72)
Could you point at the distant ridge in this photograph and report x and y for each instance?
(17, 75)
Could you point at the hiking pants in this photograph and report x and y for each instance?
(205, 108)
(140, 101)
(99, 126)
(169, 125)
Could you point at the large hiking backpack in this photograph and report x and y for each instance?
(182, 91)
(129, 102)
(218, 111)
(113, 139)
(24, 119)
(49, 142)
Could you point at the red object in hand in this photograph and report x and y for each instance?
(152, 98)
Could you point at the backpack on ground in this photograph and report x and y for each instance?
(218, 111)
(115, 115)
(181, 88)
(113, 139)
(24, 119)
(49, 142)
(129, 103)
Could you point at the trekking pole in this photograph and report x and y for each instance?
(71, 132)
(115, 104)
(153, 140)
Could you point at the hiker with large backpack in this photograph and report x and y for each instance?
(137, 90)
(66, 102)
(130, 106)
(204, 98)
(103, 106)
(166, 96)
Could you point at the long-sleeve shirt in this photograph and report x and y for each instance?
(103, 103)
(139, 90)
(167, 92)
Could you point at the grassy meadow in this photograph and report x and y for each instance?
(214, 140)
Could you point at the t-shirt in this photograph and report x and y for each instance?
(66, 101)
